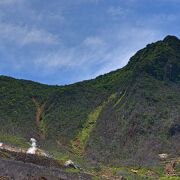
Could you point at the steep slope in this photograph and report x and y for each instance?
(131, 114)
(65, 109)
(145, 118)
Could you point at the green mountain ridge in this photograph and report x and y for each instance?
(126, 116)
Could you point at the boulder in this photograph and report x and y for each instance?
(69, 164)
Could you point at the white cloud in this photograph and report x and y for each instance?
(38, 36)
(93, 41)
(115, 60)
(129, 40)
(104, 56)
(80, 60)
(106, 47)
(117, 11)
(87, 1)
(10, 2)
(80, 56)
(52, 60)
(24, 35)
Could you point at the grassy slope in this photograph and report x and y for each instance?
(144, 110)
(67, 107)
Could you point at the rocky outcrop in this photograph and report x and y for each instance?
(17, 170)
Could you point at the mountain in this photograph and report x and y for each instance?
(126, 116)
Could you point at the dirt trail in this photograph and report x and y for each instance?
(39, 112)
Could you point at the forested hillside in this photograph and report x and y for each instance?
(126, 116)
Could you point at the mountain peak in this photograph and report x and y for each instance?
(160, 59)
(171, 38)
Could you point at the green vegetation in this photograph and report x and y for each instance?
(124, 117)
(79, 143)
(43, 129)
(170, 178)
(14, 140)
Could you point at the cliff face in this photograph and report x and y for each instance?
(129, 115)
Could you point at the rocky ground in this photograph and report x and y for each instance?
(19, 166)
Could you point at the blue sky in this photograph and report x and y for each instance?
(65, 41)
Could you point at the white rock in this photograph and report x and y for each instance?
(163, 156)
(1, 144)
(70, 163)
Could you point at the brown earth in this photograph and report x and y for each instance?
(39, 112)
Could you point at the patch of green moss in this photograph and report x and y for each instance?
(57, 153)
(170, 178)
(14, 140)
(60, 156)
(79, 142)
(43, 127)
(119, 100)
(72, 170)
